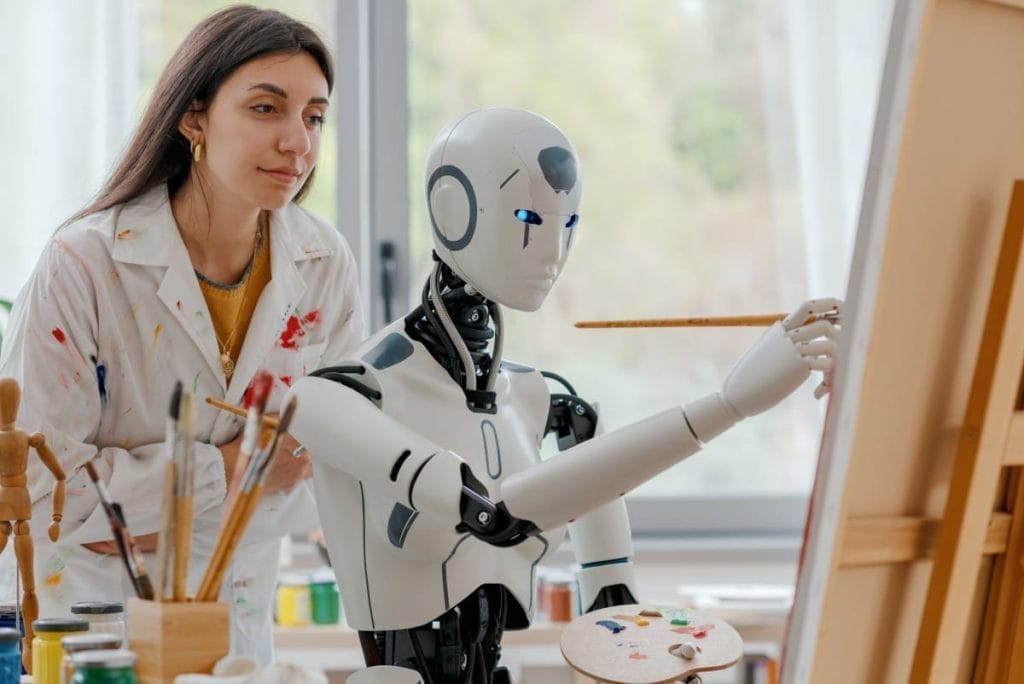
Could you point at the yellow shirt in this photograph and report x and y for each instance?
(231, 306)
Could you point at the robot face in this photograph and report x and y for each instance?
(503, 191)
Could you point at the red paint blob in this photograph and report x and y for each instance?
(58, 335)
(296, 327)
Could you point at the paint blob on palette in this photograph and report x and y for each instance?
(643, 644)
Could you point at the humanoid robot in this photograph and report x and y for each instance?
(434, 501)
(15, 503)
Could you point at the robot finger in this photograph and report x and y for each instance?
(824, 363)
(813, 309)
(819, 328)
(817, 348)
(822, 389)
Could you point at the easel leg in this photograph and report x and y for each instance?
(29, 602)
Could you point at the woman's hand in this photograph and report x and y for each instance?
(286, 469)
(146, 542)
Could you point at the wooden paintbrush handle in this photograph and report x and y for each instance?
(268, 421)
(182, 545)
(163, 542)
(228, 542)
(207, 590)
(705, 322)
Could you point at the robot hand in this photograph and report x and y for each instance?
(782, 359)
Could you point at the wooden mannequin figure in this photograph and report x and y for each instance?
(15, 504)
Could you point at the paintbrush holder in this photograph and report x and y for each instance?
(172, 638)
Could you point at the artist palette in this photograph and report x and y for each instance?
(639, 644)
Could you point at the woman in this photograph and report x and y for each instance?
(196, 264)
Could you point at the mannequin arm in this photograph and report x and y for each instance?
(38, 442)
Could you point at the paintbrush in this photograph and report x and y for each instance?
(242, 509)
(268, 421)
(163, 544)
(184, 491)
(756, 320)
(130, 553)
(255, 400)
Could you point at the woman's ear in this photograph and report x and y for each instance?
(192, 121)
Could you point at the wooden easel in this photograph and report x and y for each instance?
(978, 487)
(916, 508)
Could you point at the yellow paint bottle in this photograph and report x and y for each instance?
(293, 601)
(46, 649)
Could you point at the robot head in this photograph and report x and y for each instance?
(503, 193)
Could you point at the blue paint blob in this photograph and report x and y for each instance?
(611, 625)
(101, 379)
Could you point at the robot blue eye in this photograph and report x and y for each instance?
(528, 216)
(573, 220)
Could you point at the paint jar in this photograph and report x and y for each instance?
(558, 597)
(293, 602)
(46, 650)
(323, 598)
(103, 616)
(9, 617)
(77, 643)
(10, 656)
(540, 611)
(104, 667)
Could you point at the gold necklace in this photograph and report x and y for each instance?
(226, 362)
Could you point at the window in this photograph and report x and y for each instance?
(681, 113)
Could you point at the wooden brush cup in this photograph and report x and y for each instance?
(172, 638)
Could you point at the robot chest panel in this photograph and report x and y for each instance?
(419, 394)
(494, 445)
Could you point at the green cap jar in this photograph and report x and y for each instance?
(104, 667)
(77, 643)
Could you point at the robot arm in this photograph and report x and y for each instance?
(588, 475)
(395, 461)
(392, 459)
(601, 539)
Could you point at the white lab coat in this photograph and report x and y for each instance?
(110, 319)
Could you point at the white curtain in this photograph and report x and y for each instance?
(837, 50)
(69, 92)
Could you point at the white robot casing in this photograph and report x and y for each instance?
(481, 170)
(503, 188)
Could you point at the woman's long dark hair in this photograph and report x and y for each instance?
(158, 152)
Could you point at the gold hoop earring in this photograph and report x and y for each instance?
(196, 148)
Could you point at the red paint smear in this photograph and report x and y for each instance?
(58, 335)
(287, 380)
(637, 656)
(258, 391)
(296, 327)
(697, 631)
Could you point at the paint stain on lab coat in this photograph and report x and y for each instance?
(156, 335)
(54, 572)
(124, 234)
(101, 379)
(58, 335)
(296, 328)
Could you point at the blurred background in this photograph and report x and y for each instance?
(723, 148)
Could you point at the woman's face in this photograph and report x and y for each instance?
(261, 132)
